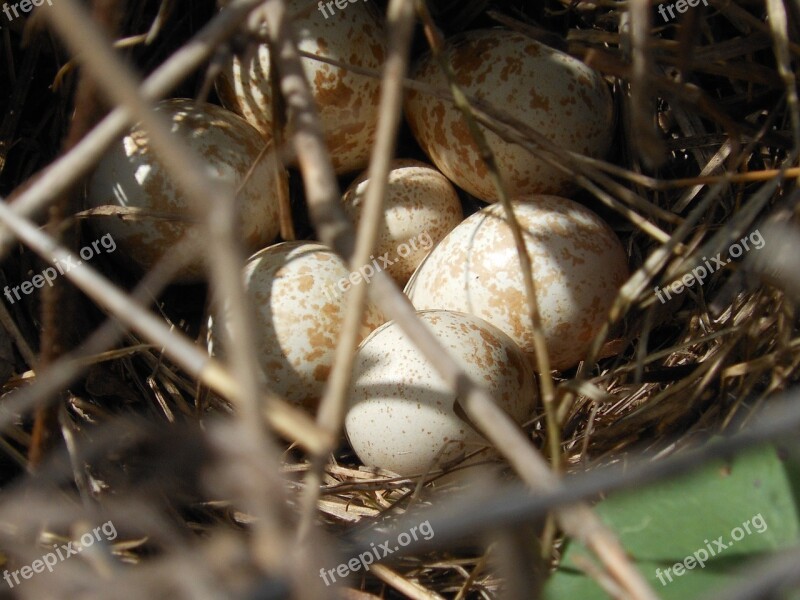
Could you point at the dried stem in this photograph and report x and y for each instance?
(334, 229)
(67, 170)
(331, 413)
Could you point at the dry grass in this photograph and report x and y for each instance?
(112, 411)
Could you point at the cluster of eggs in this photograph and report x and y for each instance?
(462, 275)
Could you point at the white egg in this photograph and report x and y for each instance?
(420, 208)
(296, 290)
(347, 101)
(404, 418)
(578, 267)
(131, 176)
(552, 92)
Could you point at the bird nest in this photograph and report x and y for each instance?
(186, 479)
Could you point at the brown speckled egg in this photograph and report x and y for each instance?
(420, 208)
(300, 311)
(131, 176)
(347, 101)
(559, 96)
(402, 415)
(578, 267)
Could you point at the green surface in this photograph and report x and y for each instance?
(663, 524)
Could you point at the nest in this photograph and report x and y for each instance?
(209, 495)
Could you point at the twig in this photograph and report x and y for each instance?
(68, 367)
(331, 413)
(334, 229)
(215, 201)
(22, 344)
(780, 38)
(542, 356)
(287, 420)
(410, 588)
(461, 518)
(68, 169)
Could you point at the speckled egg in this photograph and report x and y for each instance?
(403, 417)
(131, 176)
(347, 101)
(559, 96)
(578, 267)
(297, 292)
(420, 208)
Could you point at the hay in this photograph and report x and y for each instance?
(205, 504)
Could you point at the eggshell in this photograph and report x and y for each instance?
(130, 175)
(402, 416)
(578, 267)
(347, 101)
(555, 94)
(300, 315)
(420, 208)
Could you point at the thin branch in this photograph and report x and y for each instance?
(68, 169)
(461, 518)
(287, 420)
(332, 409)
(334, 229)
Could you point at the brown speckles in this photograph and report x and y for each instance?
(300, 314)
(539, 101)
(587, 99)
(130, 175)
(305, 282)
(319, 339)
(421, 207)
(578, 266)
(468, 53)
(403, 417)
(331, 89)
(532, 83)
(512, 67)
(321, 372)
(533, 49)
(344, 98)
(460, 132)
(436, 121)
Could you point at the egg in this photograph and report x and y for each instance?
(402, 415)
(347, 101)
(578, 267)
(131, 176)
(555, 94)
(296, 290)
(420, 208)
